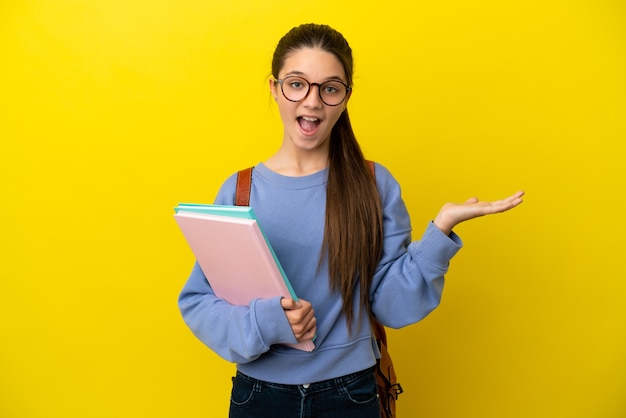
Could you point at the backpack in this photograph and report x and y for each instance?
(388, 387)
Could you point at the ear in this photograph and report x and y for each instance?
(273, 89)
(345, 102)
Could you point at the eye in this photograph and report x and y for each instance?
(295, 83)
(333, 87)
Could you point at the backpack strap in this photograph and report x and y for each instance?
(244, 184)
(370, 165)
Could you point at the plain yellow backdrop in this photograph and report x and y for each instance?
(114, 111)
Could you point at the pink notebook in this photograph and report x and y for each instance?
(236, 259)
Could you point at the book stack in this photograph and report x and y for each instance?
(234, 254)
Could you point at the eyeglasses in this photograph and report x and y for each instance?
(332, 92)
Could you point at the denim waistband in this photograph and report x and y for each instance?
(312, 387)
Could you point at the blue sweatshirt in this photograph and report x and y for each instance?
(406, 287)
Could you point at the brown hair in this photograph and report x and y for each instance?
(353, 232)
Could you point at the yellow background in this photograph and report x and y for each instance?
(114, 111)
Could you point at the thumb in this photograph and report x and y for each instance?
(288, 304)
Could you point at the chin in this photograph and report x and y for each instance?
(318, 139)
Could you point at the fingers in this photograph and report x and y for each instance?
(289, 304)
(497, 206)
(301, 317)
(510, 202)
(307, 332)
(517, 198)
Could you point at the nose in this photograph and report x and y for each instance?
(313, 99)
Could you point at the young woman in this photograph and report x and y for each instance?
(343, 237)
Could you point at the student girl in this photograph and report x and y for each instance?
(343, 237)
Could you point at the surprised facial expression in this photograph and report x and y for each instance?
(308, 122)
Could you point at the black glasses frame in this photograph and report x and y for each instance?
(319, 89)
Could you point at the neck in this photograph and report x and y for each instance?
(297, 164)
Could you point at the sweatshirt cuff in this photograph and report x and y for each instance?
(271, 321)
(437, 247)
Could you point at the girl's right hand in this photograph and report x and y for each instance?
(301, 317)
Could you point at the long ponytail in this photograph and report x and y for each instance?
(353, 232)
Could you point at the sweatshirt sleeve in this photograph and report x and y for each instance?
(409, 280)
(238, 334)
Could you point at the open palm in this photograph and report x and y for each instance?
(451, 214)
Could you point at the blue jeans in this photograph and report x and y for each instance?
(351, 396)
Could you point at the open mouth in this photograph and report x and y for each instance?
(308, 124)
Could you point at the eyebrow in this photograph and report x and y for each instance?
(301, 74)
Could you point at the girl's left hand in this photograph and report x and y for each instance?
(301, 317)
(452, 214)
